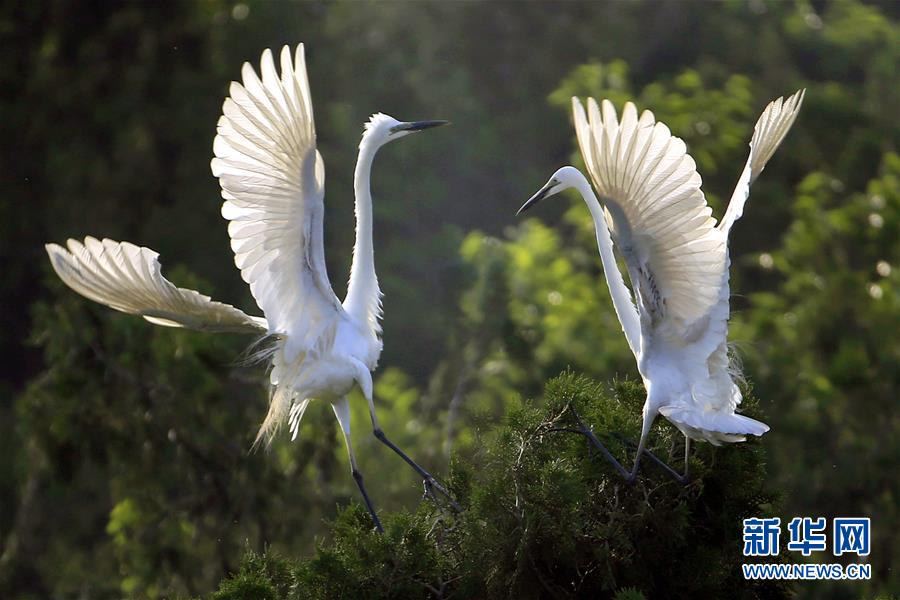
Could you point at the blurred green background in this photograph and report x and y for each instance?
(126, 467)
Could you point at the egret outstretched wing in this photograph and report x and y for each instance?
(770, 130)
(273, 181)
(657, 214)
(128, 278)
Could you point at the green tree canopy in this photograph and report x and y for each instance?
(128, 469)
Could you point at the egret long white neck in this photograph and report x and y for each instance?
(363, 299)
(621, 296)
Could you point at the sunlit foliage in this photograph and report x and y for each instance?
(128, 470)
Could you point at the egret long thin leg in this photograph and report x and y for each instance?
(364, 379)
(430, 481)
(641, 450)
(358, 478)
(342, 412)
(586, 432)
(680, 478)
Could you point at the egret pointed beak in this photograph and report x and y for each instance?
(413, 126)
(542, 193)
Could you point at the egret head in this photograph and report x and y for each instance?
(563, 179)
(382, 128)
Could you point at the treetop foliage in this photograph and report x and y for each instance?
(546, 516)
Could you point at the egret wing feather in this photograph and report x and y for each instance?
(657, 214)
(770, 130)
(128, 278)
(273, 181)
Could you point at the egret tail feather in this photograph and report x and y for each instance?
(716, 427)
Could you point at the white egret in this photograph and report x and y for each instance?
(272, 180)
(677, 260)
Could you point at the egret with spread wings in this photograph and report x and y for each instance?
(675, 316)
(273, 183)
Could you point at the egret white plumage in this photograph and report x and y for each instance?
(273, 181)
(676, 255)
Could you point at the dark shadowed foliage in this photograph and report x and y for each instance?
(127, 468)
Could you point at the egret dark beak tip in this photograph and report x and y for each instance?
(534, 200)
(419, 125)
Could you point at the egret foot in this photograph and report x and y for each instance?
(428, 494)
(429, 480)
(428, 491)
(683, 478)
